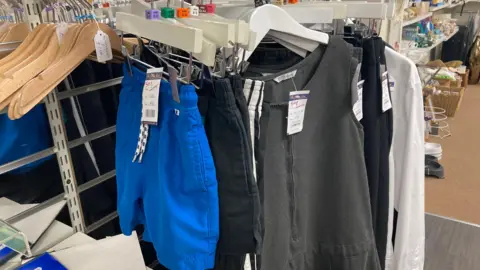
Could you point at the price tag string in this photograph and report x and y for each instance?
(294, 86)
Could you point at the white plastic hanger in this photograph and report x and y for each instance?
(216, 33)
(270, 17)
(187, 38)
(209, 23)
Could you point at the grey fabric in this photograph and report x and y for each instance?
(313, 184)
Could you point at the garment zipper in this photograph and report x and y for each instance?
(291, 187)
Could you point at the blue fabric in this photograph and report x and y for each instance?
(173, 192)
(25, 136)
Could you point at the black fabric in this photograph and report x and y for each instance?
(377, 126)
(242, 106)
(34, 186)
(97, 111)
(238, 194)
(456, 48)
(229, 262)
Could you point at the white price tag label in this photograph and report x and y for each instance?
(150, 94)
(61, 30)
(296, 111)
(386, 102)
(103, 48)
(391, 83)
(358, 106)
(286, 76)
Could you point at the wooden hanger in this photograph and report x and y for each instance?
(2, 35)
(33, 54)
(84, 46)
(5, 30)
(26, 42)
(14, 110)
(14, 80)
(40, 86)
(25, 55)
(69, 40)
(18, 32)
(6, 85)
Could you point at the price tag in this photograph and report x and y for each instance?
(296, 111)
(103, 49)
(358, 106)
(386, 102)
(61, 29)
(391, 83)
(150, 94)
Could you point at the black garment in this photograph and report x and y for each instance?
(229, 262)
(457, 47)
(313, 183)
(238, 194)
(34, 186)
(377, 126)
(242, 106)
(96, 111)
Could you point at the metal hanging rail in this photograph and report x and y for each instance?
(62, 150)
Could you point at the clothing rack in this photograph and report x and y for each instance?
(62, 145)
(62, 148)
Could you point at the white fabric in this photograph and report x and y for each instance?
(408, 165)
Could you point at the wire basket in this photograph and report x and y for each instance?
(436, 124)
(448, 98)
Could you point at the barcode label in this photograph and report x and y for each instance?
(151, 92)
(150, 113)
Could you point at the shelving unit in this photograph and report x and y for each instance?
(417, 19)
(433, 9)
(435, 44)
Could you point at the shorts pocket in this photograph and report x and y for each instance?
(206, 173)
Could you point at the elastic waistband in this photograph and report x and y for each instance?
(136, 76)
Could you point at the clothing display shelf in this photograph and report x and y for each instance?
(450, 5)
(392, 34)
(62, 150)
(417, 19)
(434, 45)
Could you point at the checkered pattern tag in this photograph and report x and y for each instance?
(142, 143)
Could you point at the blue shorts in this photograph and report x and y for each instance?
(25, 136)
(173, 191)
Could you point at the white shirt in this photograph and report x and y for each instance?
(407, 165)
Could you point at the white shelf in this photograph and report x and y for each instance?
(435, 44)
(416, 19)
(433, 9)
(458, 4)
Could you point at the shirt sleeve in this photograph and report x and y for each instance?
(409, 167)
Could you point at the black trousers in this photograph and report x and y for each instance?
(377, 127)
(238, 194)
